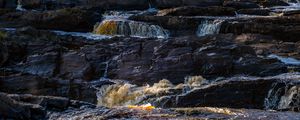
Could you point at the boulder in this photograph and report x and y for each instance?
(241, 92)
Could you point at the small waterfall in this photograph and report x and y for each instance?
(105, 70)
(273, 97)
(291, 99)
(283, 96)
(89, 36)
(19, 6)
(209, 27)
(130, 28)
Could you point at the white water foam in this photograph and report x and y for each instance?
(20, 7)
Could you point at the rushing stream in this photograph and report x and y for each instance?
(243, 65)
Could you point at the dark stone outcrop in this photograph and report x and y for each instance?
(176, 58)
(240, 92)
(70, 19)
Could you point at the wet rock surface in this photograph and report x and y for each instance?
(174, 59)
(69, 19)
(190, 59)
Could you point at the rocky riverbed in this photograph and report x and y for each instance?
(150, 59)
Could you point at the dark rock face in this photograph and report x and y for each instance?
(75, 66)
(11, 109)
(30, 4)
(27, 106)
(118, 4)
(70, 19)
(177, 3)
(197, 11)
(287, 26)
(174, 59)
(42, 65)
(11, 4)
(270, 3)
(236, 94)
(255, 11)
(239, 92)
(47, 64)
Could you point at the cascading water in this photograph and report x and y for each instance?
(291, 99)
(209, 27)
(294, 5)
(121, 94)
(286, 60)
(284, 95)
(19, 6)
(130, 28)
(273, 97)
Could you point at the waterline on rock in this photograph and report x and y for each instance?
(19, 6)
(209, 27)
(85, 35)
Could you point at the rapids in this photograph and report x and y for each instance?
(130, 28)
(122, 94)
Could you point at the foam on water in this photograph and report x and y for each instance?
(19, 6)
(122, 94)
